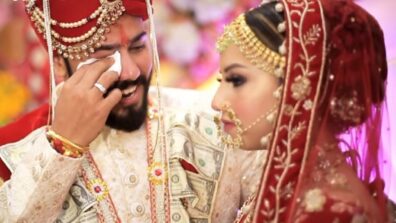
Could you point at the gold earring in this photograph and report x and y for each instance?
(265, 141)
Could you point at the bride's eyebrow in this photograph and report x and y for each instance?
(232, 66)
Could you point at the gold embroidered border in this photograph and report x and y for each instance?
(298, 86)
(90, 173)
(159, 188)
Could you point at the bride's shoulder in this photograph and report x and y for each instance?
(334, 193)
(333, 205)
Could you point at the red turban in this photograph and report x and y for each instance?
(71, 11)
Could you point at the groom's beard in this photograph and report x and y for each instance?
(132, 117)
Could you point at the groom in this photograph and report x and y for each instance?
(105, 136)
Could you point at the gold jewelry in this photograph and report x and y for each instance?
(278, 93)
(279, 7)
(225, 138)
(219, 77)
(237, 141)
(269, 116)
(65, 146)
(265, 141)
(240, 34)
(106, 15)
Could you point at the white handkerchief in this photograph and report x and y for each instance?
(115, 67)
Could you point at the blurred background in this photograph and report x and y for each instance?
(186, 33)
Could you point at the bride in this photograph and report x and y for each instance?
(296, 76)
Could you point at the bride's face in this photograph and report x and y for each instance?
(249, 93)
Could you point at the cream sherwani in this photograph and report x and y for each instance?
(113, 183)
